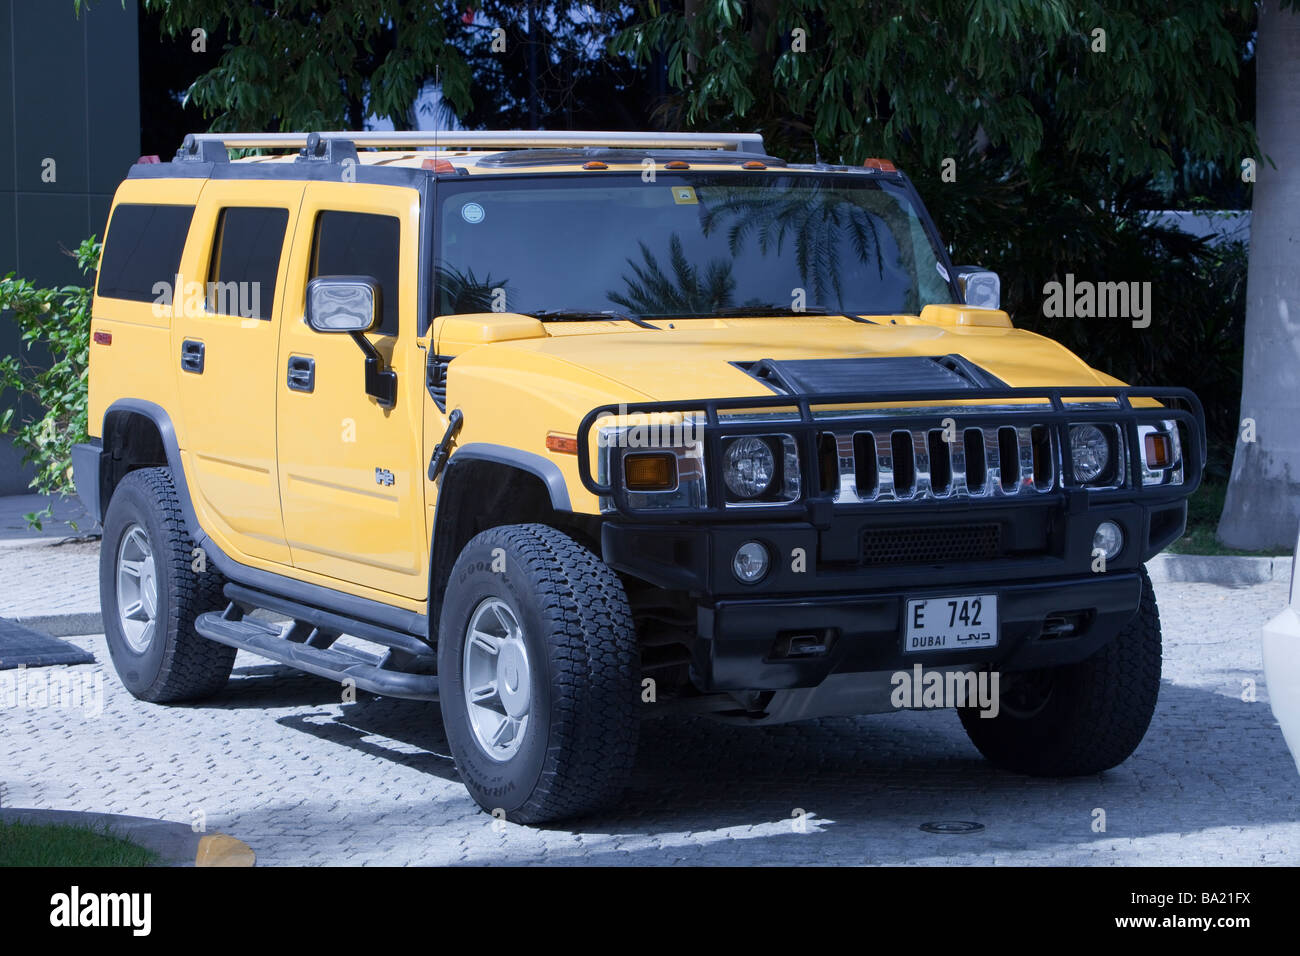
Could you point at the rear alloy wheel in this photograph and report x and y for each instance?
(150, 594)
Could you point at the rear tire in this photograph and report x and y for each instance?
(1081, 718)
(538, 627)
(151, 594)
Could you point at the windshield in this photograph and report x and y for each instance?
(683, 246)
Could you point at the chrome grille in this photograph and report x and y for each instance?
(918, 464)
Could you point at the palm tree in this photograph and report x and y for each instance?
(1262, 509)
(815, 218)
(688, 291)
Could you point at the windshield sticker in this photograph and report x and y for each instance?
(472, 212)
(942, 271)
(684, 195)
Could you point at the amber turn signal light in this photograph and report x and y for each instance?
(564, 444)
(438, 165)
(650, 472)
(1159, 452)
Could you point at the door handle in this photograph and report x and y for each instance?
(302, 373)
(192, 356)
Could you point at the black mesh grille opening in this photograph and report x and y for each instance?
(931, 545)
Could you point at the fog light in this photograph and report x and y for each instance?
(750, 563)
(1108, 539)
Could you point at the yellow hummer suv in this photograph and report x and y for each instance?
(564, 430)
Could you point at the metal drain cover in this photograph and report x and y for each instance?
(952, 826)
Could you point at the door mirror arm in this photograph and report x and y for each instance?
(381, 383)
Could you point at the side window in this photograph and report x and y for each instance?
(142, 251)
(361, 244)
(245, 258)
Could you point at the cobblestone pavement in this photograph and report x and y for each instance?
(279, 762)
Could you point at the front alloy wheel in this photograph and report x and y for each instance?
(496, 679)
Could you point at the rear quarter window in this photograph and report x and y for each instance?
(142, 251)
(245, 260)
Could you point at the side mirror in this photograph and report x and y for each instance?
(343, 303)
(352, 304)
(980, 289)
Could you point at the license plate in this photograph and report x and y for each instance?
(951, 623)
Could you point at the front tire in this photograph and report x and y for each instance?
(538, 669)
(150, 594)
(1081, 718)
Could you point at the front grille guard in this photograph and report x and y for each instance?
(1107, 406)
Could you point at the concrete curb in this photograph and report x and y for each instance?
(1226, 570)
(175, 843)
(64, 625)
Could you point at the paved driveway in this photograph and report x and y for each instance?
(278, 761)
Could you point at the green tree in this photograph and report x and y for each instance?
(303, 65)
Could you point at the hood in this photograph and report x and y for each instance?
(706, 359)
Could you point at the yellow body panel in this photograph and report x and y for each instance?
(339, 520)
(138, 363)
(226, 426)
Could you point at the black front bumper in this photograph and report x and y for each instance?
(836, 615)
(746, 644)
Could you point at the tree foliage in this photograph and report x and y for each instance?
(57, 320)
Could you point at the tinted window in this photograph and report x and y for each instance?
(245, 259)
(141, 249)
(686, 246)
(361, 244)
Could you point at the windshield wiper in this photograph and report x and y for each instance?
(756, 311)
(581, 315)
(760, 310)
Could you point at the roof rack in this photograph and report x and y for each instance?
(616, 154)
(484, 139)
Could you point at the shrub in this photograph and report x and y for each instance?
(59, 320)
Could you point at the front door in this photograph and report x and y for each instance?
(225, 333)
(351, 468)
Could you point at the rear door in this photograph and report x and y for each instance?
(225, 332)
(351, 469)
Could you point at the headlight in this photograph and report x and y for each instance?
(748, 467)
(1090, 450)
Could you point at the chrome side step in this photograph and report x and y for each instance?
(307, 643)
